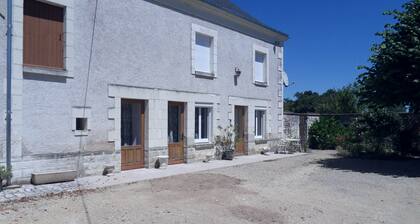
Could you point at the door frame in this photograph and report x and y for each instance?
(181, 130)
(128, 150)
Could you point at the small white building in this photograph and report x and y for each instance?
(117, 83)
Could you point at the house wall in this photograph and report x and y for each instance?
(139, 50)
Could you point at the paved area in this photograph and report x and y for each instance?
(313, 188)
(94, 182)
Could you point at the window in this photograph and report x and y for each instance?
(203, 53)
(131, 123)
(260, 65)
(202, 124)
(81, 124)
(43, 35)
(81, 120)
(259, 123)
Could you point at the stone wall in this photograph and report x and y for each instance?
(297, 125)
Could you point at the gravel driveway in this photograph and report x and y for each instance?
(315, 188)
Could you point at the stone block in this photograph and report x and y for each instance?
(163, 161)
(53, 177)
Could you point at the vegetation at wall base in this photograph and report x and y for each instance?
(4, 175)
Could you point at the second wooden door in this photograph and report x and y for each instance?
(132, 134)
(176, 132)
(240, 129)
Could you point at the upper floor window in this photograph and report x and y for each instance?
(204, 51)
(202, 124)
(260, 66)
(43, 35)
(260, 72)
(259, 124)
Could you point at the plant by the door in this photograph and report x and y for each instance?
(4, 174)
(225, 143)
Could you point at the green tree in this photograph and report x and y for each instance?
(343, 100)
(393, 78)
(305, 102)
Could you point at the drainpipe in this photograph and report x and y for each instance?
(9, 89)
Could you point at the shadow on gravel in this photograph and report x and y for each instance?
(395, 168)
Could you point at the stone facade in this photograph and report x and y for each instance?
(296, 128)
(140, 50)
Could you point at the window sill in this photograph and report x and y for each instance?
(37, 70)
(260, 84)
(204, 75)
(80, 133)
(203, 146)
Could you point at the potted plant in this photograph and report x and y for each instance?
(224, 143)
(4, 175)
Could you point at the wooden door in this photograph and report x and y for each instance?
(240, 129)
(175, 132)
(132, 134)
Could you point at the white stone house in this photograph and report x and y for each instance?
(100, 83)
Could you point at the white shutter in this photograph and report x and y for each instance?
(259, 67)
(203, 53)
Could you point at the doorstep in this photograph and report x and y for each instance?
(29, 191)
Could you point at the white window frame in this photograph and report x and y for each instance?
(81, 112)
(209, 124)
(261, 50)
(264, 124)
(207, 32)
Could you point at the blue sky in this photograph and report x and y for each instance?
(328, 38)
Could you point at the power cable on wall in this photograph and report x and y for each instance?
(84, 112)
(87, 81)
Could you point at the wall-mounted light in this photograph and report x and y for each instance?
(237, 71)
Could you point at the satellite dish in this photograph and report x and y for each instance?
(285, 79)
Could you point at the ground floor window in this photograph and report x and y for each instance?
(259, 123)
(202, 124)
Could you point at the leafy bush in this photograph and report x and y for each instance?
(225, 141)
(325, 133)
(4, 174)
(382, 132)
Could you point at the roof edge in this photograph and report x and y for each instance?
(218, 16)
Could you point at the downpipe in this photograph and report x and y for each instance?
(9, 89)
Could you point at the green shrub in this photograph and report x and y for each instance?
(4, 174)
(325, 133)
(382, 132)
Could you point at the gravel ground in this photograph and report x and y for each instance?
(315, 188)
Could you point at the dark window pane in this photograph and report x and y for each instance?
(173, 123)
(196, 131)
(204, 121)
(130, 124)
(81, 124)
(259, 120)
